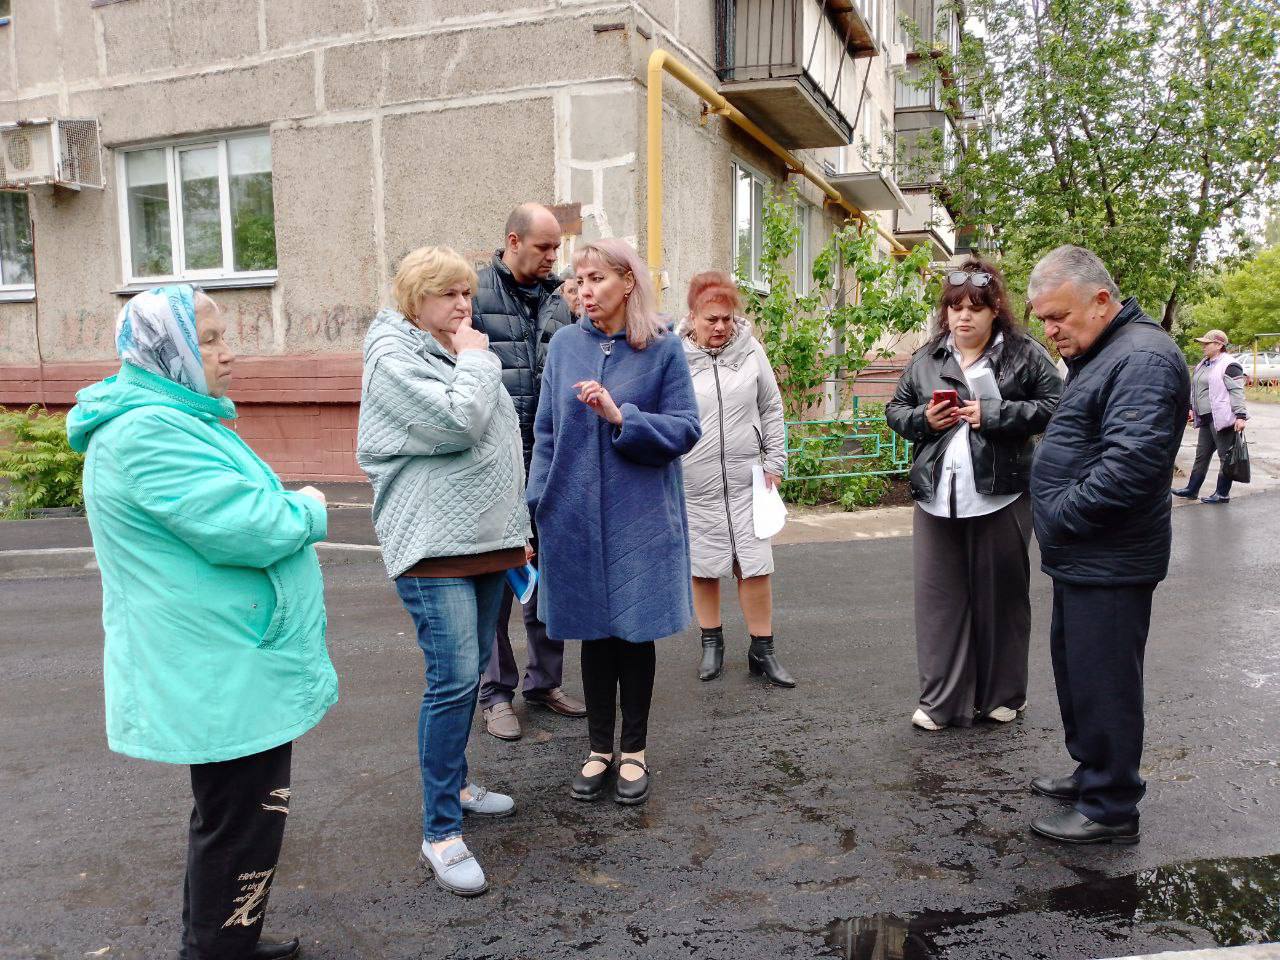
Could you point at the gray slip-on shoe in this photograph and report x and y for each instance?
(485, 803)
(455, 868)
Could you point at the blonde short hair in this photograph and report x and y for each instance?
(429, 270)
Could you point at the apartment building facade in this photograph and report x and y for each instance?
(285, 154)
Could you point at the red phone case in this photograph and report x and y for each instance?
(951, 396)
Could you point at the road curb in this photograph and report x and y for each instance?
(78, 561)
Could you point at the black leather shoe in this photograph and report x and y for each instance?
(632, 793)
(1215, 498)
(1072, 826)
(1060, 788)
(270, 950)
(1186, 493)
(762, 662)
(592, 788)
(712, 654)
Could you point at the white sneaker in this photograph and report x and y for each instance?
(924, 721)
(1005, 714)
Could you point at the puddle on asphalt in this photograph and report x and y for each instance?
(1235, 900)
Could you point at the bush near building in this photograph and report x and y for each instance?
(37, 463)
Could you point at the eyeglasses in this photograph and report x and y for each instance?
(958, 278)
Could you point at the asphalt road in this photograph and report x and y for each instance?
(803, 823)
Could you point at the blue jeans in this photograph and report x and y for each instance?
(455, 618)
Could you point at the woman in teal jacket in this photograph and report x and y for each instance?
(213, 605)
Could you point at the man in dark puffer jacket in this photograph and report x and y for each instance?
(1101, 511)
(516, 305)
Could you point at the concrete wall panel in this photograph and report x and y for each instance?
(214, 31)
(221, 100)
(29, 108)
(250, 329)
(138, 36)
(17, 333)
(353, 76)
(453, 176)
(77, 267)
(603, 126)
(299, 21)
(35, 43)
(397, 14)
(325, 237)
(697, 182)
(697, 28)
(468, 62)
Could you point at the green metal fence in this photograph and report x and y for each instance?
(860, 445)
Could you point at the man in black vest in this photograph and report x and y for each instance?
(1101, 511)
(517, 306)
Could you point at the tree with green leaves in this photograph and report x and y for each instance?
(1142, 129)
(1247, 302)
(860, 303)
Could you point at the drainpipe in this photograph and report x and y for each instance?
(661, 61)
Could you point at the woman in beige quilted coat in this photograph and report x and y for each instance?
(742, 425)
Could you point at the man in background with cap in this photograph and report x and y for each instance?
(1218, 411)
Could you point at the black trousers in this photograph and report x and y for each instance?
(1207, 442)
(237, 826)
(616, 671)
(973, 611)
(1097, 641)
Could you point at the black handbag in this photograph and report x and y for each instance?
(1235, 465)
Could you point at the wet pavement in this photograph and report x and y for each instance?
(800, 824)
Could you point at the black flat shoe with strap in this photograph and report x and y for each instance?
(592, 788)
(632, 793)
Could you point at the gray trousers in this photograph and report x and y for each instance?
(545, 668)
(973, 611)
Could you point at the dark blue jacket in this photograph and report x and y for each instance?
(608, 501)
(1101, 474)
(519, 323)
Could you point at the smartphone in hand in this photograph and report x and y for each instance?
(949, 397)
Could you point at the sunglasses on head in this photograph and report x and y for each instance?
(958, 278)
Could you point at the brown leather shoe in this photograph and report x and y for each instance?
(501, 722)
(557, 701)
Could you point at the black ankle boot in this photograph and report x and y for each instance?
(712, 653)
(761, 661)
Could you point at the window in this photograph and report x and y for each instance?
(748, 223)
(804, 263)
(199, 211)
(17, 263)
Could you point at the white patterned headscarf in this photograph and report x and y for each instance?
(156, 331)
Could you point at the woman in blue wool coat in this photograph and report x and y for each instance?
(617, 412)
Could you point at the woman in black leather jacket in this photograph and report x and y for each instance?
(969, 473)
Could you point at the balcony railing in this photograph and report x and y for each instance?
(926, 220)
(789, 64)
(928, 147)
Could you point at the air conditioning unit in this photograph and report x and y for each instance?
(51, 152)
(897, 57)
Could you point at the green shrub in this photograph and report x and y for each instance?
(38, 463)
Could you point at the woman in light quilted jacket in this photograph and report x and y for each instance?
(742, 427)
(212, 605)
(439, 439)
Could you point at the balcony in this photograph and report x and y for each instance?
(913, 93)
(926, 221)
(928, 146)
(789, 65)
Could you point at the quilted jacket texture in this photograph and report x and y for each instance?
(519, 323)
(742, 425)
(1100, 477)
(439, 440)
(608, 501)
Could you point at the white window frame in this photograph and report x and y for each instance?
(226, 275)
(20, 292)
(739, 168)
(803, 258)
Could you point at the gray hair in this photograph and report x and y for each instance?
(1074, 265)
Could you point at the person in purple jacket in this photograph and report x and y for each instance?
(616, 413)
